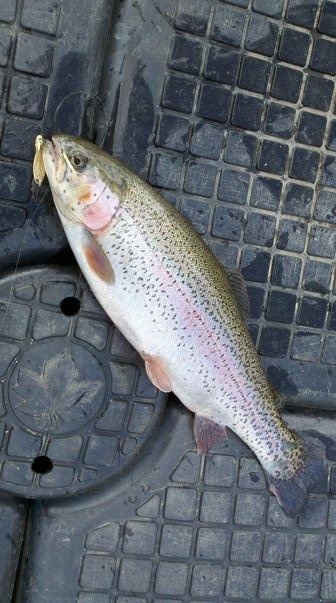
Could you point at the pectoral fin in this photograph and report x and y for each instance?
(206, 433)
(157, 373)
(97, 260)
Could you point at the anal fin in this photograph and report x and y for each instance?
(157, 373)
(206, 433)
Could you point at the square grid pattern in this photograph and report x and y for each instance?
(214, 534)
(245, 146)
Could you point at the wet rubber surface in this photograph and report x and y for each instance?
(227, 107)
(76, 403)
(185, 528)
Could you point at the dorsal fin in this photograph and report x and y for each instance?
(238, 287)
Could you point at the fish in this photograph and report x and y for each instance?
(173, 301)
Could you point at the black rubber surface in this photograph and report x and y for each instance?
(13, 518)
(51, 51)
(76, 404)
(228, 107)
(236, 128)
(185, 528)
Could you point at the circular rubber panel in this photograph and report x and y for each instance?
(75, 403)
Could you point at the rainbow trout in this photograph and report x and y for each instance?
(173, 301)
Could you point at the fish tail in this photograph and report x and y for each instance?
(291, 492)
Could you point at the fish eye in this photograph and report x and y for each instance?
(79, 161)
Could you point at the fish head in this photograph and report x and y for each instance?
(83, 191)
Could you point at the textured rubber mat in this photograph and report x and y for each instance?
(237, 128)
(13, 517)
(76, 405)
(228, 107)
(46, 79)
(186, 529)
(46, 83)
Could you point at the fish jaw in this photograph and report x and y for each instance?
(52, 159)
(51, 148)
(52, 155)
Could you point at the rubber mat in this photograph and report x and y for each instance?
(46, 85)
(228, 108)
(184, 528)
(237, 128)
(76, 404)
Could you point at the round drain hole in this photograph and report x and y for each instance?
(42, 464)
(70, 306)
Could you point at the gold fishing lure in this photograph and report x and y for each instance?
(38, 164)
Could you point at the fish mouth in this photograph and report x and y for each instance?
(54, 160)
(53, 148)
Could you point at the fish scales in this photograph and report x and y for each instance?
(172, 300)
(233, 372)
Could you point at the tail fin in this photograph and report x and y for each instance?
(292, 493)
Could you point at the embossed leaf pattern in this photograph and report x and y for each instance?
(57, 394)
